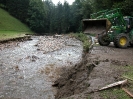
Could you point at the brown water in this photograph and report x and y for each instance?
(28, 73)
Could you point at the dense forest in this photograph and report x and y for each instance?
(42, 16)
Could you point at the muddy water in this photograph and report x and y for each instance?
(28, 73)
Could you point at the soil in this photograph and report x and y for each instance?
(100, 67)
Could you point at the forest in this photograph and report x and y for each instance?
(43, 17)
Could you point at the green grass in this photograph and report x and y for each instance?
(129, 73)
(11, 34)
(83, 37)
(11, 27)
(114, 93)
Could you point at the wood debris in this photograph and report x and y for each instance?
(113, 85)
(129, 93)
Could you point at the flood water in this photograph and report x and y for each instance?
(28, 73)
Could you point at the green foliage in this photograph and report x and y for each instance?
(3, 3)
(59, 15)
(66, 17)
(75, 17)
(43, 16)
(102, 5)
(36, 16)
(18, 8)
(49, 21)
(86, 8)
(126, 7)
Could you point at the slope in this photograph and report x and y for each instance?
(11, 27)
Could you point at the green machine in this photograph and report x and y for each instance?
(110, 26)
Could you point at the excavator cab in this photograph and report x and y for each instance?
(129, 23)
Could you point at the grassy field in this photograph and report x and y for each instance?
(11, 27)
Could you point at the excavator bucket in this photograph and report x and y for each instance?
(96, 26)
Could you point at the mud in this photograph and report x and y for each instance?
(74, 80)
(46, 67)
(100, 67)
(29, 68)
(19, 39)
(14, 42)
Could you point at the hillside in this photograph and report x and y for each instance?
(11, 27)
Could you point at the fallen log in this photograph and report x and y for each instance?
(113, 85)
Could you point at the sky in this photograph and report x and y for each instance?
(62, 1)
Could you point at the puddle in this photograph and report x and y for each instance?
(26, 73)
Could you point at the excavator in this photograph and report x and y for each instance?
(110, 26)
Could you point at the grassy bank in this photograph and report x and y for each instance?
(83, 37)
(4, 35)
(11, 27)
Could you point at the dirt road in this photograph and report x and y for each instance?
(109, 70)
(107, 63)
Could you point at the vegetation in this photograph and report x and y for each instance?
(82, 37)
(4, 35)
(36, 16)
(115, 93)
(42, 16)
(11, 27)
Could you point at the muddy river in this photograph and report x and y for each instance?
(28, 68)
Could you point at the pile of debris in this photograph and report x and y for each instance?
(54, 43)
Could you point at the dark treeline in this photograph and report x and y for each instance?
(42, 16)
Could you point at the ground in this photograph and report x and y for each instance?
(48, 67)
(102, 66)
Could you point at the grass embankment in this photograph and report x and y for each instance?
(83, 37)
(11, 27)
(117, 92)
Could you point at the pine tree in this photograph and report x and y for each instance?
(36, 16)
